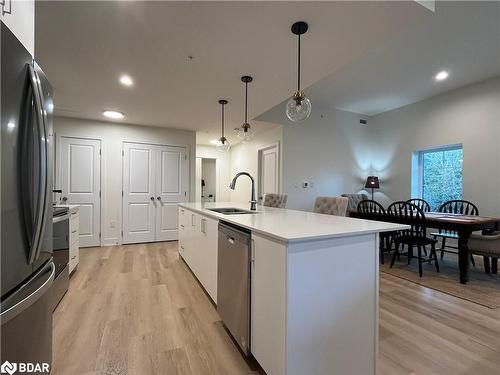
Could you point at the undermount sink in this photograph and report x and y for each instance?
(231, 211)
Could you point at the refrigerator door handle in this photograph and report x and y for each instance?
(45, 161)
(42, 182)
(29, 300)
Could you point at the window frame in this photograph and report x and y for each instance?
(417, 165)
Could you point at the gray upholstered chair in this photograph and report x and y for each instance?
(275, 200)
(354, 199)
(488, 246)
(331, 205)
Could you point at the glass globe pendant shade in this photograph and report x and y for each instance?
(222, 145)
(298, 107)
(245, 133)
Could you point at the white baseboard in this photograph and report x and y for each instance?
(111, 241)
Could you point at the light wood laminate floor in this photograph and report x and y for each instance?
(137, 309)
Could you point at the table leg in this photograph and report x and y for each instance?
(463, 256)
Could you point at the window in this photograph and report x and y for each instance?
(437, 175)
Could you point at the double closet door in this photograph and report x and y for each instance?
(155, 179)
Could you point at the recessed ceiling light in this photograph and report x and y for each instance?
(113, 114)
(126, 80)
(441, 76)
(214, 141)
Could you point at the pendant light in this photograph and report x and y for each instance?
(245, 131)
(298, 107)
(222, 144)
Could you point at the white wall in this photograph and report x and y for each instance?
(245, 158)
(470, 115)
(21, 21)
(223, 165)
(112, 136)
(331, 150)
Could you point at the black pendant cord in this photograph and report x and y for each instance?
(222, 109)
(246, 102)
(298, 66)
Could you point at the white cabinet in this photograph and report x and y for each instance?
(19, 17)
(208, 251)
(309, 312)
(74, 242)
(198, 237)
(268, 304)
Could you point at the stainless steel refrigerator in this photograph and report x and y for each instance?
(27, 269)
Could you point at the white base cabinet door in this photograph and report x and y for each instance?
(74, 240)
(198, 236)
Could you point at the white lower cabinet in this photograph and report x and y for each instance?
(198, 236)
(74, 242)
(268, 315)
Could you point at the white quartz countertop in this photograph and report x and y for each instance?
(291, 225)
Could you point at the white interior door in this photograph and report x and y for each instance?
(81, 184)
(268, 170)
(171, 188)
(139, 199)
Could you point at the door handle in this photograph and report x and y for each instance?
(64, 199)
(230, 240)
(43, 160)
(20, 306)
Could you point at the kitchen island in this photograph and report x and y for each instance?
(314, 284)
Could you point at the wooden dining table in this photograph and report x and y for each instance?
(464, 225)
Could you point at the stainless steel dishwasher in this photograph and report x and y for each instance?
(233, 282)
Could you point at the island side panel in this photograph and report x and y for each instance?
(268, 304)
(332, 306)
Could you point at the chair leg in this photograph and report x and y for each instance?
(410, 253)
(494, 265)
(472, 260)
(388, 242)
(419, 249)
(486, 264)
(433, 253)
(443, 244)
(396, 254)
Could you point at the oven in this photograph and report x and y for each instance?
(60, 221)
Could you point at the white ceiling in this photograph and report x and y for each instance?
(461, 37)
(85, 46)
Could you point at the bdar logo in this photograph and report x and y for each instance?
(8, 368)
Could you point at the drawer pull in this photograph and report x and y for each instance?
(73, 257)
(73, 231)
